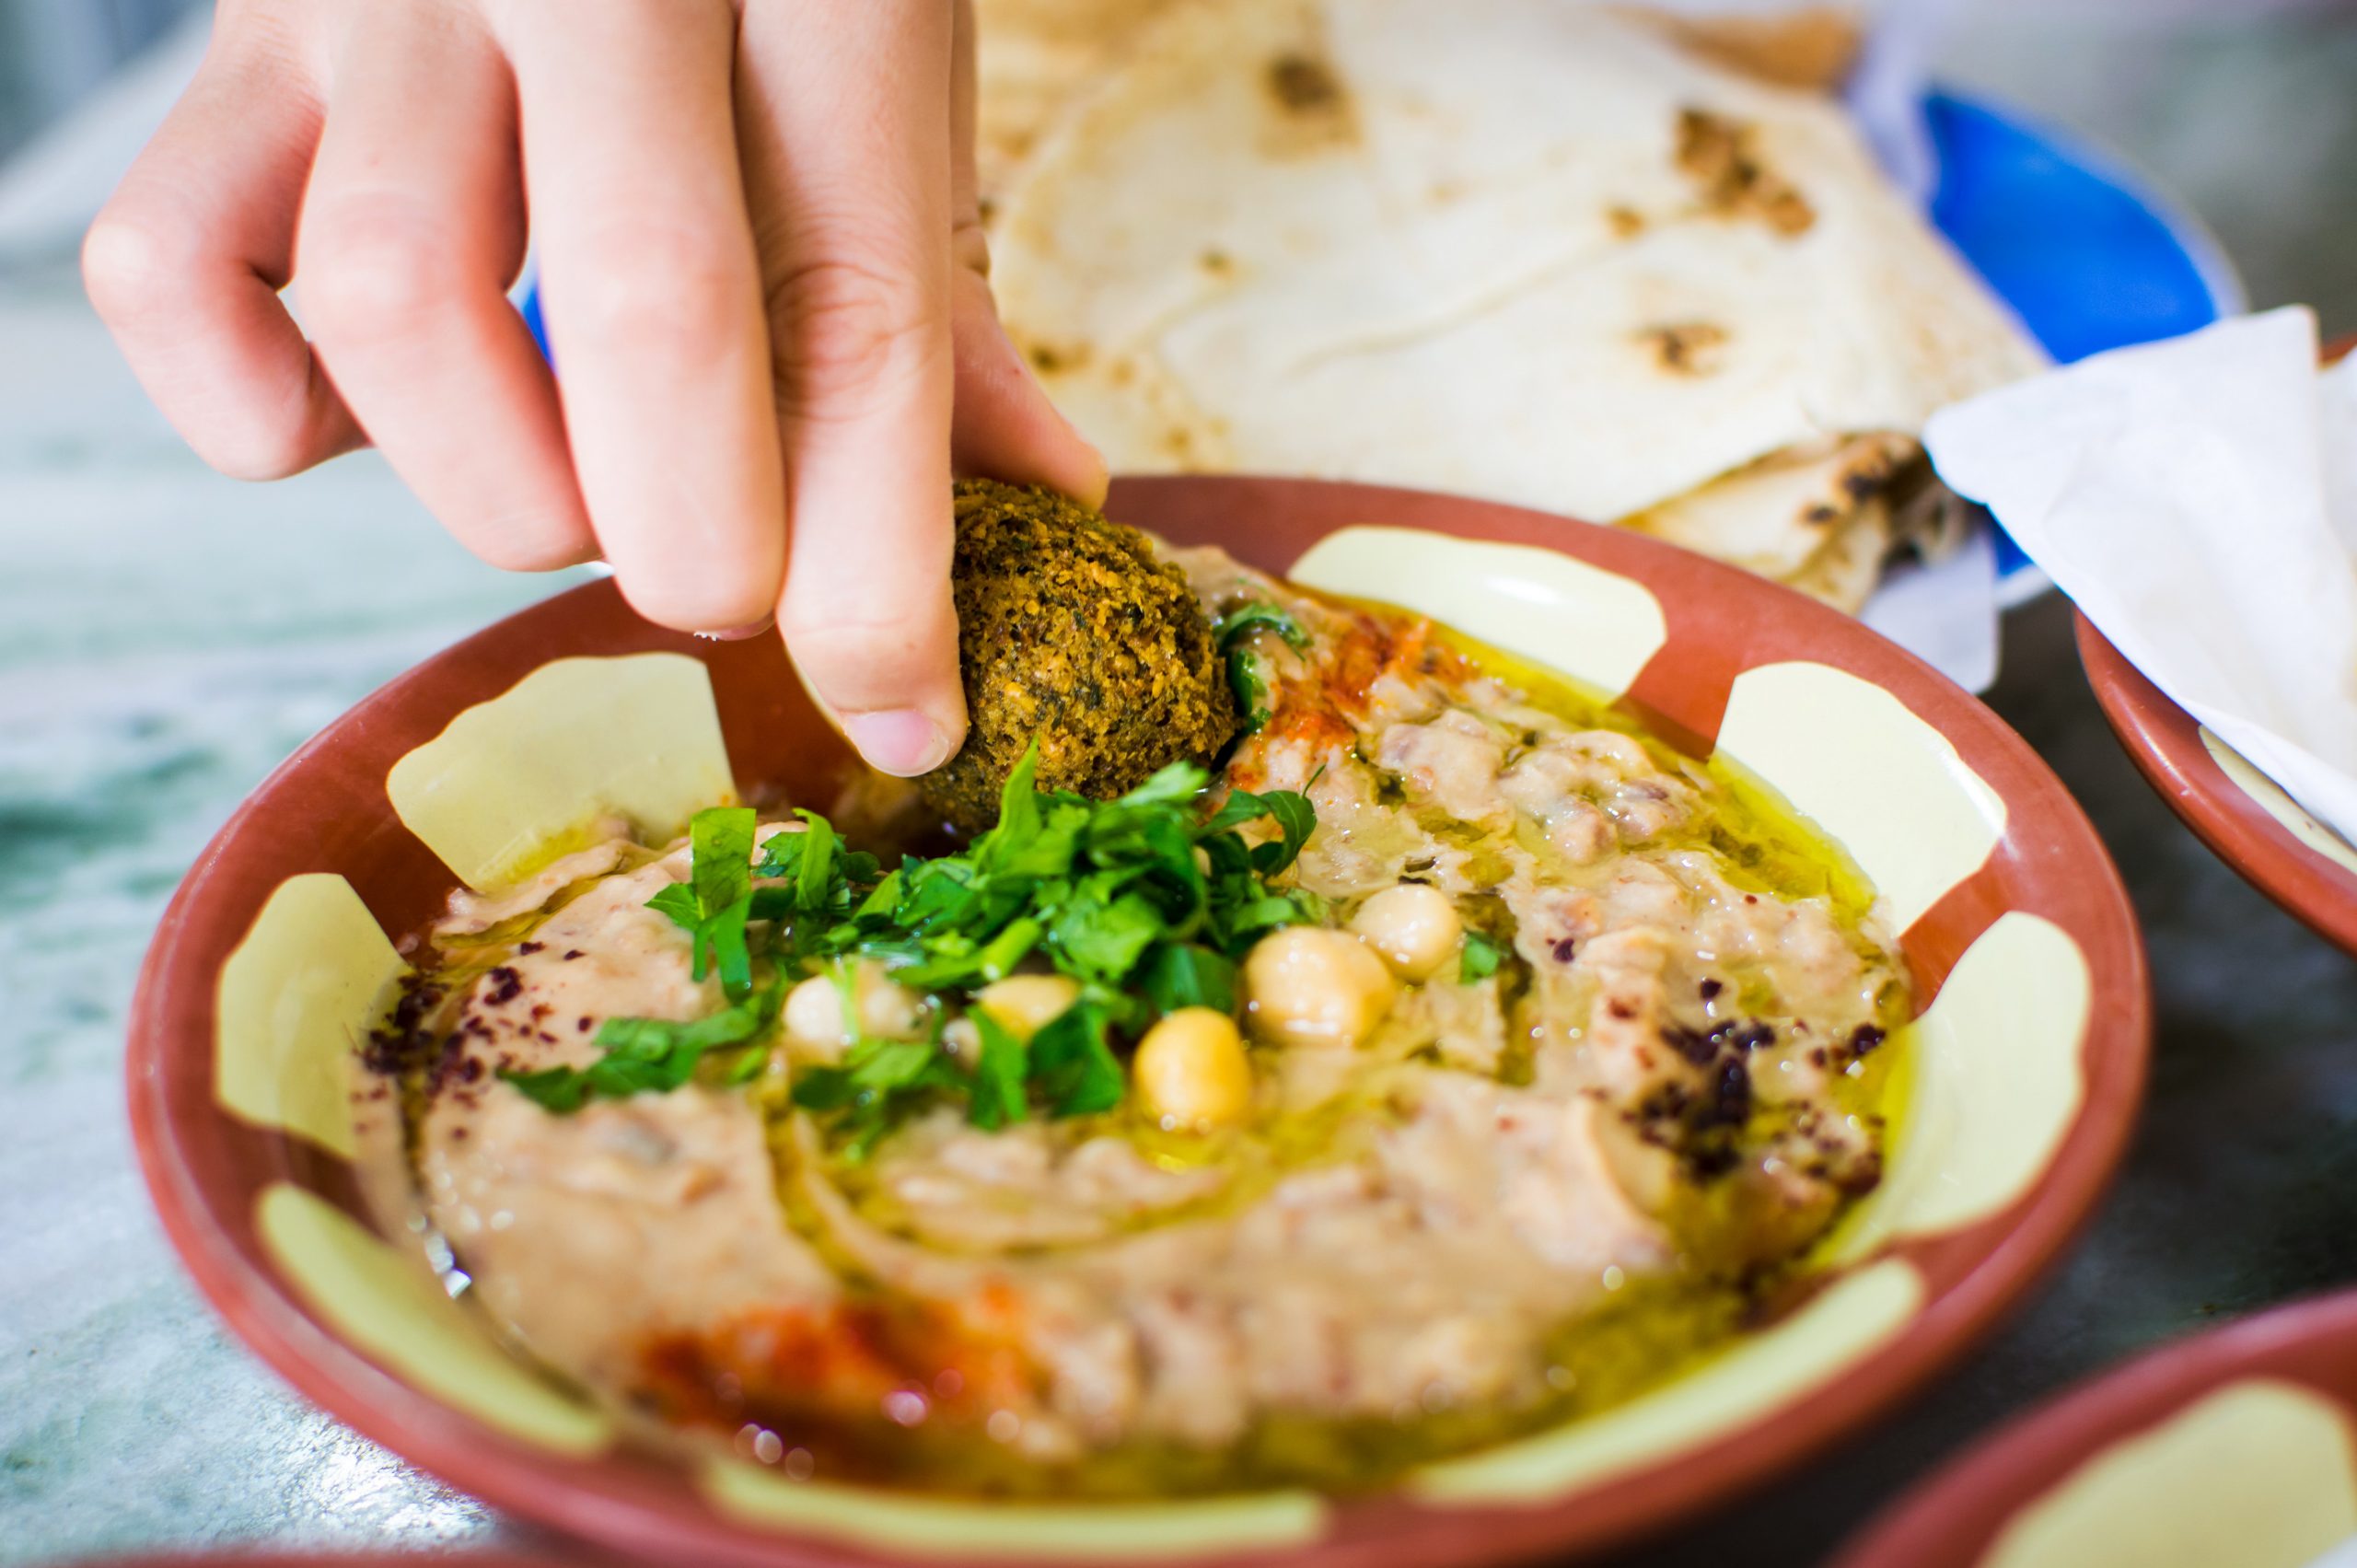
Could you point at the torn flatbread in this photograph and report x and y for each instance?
(1512, 248)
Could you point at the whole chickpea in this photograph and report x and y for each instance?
(1412, 928)
(887, 1010)
(1023, 1005)
(1190, 1071)
(1309, 986)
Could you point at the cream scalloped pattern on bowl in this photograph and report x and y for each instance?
(635, 736)
(293, 1005)
(1880, 782)
(390, 1306)
(1595, 626)
(2257, 1474)
(1019, 1532)
(1997, 1082)
(2278, 804)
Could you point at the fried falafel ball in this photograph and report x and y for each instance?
(1071, 633)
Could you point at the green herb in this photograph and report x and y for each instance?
(1480, 959)
(1073, 1065)
(880, 1082)
(1295, 819)
(1186, 974)
(1144, 901)
(714, 904)
(1245, 677)
(1259, 616)
(1000, 1066)
(652, 1055)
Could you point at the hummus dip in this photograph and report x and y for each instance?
(1504, 1150)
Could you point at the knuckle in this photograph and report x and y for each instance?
(659, 289)
(846, 328)
(133, 257)
(374, 274)
(259, 455)
(263, 438)
(849, 659)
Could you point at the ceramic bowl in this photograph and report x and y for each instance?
(2239, 812)
(2232, 806)
(283, 939)
(2238, 1445)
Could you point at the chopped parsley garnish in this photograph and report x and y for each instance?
(1244, 674)
(651, 1053)
(1144, 901)
(713, 905)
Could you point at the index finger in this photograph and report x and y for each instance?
(845, 123)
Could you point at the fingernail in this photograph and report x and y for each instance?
(741, 634)
(901, 741)
(1101, 479)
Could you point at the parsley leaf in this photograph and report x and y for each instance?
(815, 878)
(1145, 900)
(1258, 616)
(1251, 689)
(1480, 959)
(1292, 811)
(1186, 974)
(1073, 1065)
(879, 1084)
(1295, 819)
(1101, 940)
(1244, 674)
(1177, 784)
(1000, 1069)
(656, 1054)
(715, 901)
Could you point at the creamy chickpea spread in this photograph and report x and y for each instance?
(1576, 1053)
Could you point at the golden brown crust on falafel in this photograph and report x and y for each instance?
(1069, 631)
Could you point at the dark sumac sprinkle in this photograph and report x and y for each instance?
(1732, 1105)
(1692, 1044)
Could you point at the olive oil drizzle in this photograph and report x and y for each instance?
(1644, 1333)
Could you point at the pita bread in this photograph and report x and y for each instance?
(1775, 516)
(1843, 573)
(1031, 59)
(1811, 47)
(1507, 248)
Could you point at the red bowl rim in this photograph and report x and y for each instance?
(2167, 748)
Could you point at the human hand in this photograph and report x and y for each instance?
(761, 267)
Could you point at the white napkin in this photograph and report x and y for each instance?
(2197, 500)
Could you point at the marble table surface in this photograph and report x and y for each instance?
(167, 636)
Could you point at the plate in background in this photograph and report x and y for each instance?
(2234, 1449)
(2243, 815)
